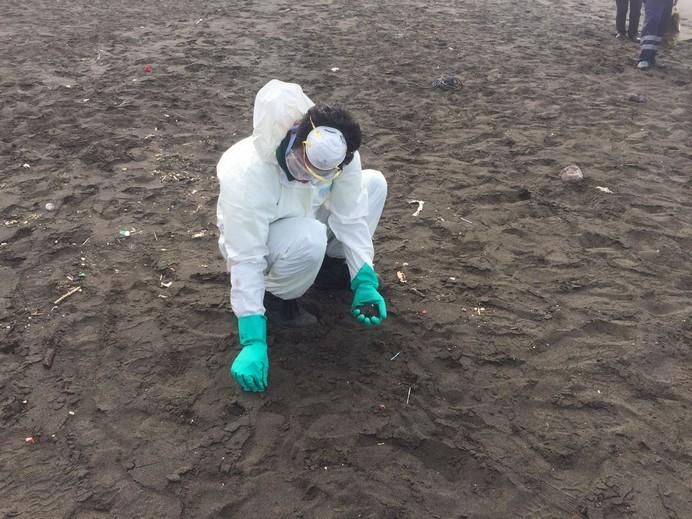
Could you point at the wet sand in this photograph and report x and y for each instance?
(537, 363)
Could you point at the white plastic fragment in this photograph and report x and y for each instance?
(604, 189)
(420, 203)
(572, 173)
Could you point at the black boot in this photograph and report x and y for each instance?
(333, 275)
(287, 312)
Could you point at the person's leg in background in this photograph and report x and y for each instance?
(665, 18)
(656, 15)
(635, 15)
(621, 18)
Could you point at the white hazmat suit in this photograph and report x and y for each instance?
(274, 232)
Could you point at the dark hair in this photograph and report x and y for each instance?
(323, 114)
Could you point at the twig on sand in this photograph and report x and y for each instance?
(465, 220)
(85, 241)
(418, 292)
(409, 395)
(63, 297)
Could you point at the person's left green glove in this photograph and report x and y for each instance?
(251, 367)
(366, 297)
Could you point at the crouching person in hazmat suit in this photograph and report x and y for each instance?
(295, 209)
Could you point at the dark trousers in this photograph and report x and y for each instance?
(635, 8)
(657, 14)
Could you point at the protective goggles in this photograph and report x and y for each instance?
(301, 167)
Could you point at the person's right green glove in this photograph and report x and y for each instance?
(368, 306)
(251, 367)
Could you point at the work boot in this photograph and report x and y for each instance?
(333, 275)
(287, 313)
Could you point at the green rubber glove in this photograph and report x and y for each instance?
(251, 367)
(365, 293)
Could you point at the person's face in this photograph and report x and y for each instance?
(303, 171)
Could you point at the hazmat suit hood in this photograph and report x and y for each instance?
(277, 106)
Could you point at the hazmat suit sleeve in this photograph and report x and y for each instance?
(348, 218)
(244, 212)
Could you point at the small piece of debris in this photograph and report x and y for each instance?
(571, 173)
(636, 98)
(447, 83)
(48, 358)
(68, 294)
(401, 277)
(604, 190)
(420, 203)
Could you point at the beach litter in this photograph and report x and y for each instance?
(148, 69)
(420, 203)
(604, 190)
(164, 284)
(50, 206)
(68, 294)
(636, 98)
(401, 277)
(571, 173)
(30, 440)
(447, 83)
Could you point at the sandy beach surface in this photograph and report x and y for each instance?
(536, 364)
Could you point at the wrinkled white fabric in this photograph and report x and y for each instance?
(277, 106)
(255, 194)
(376, 186)
(296, 250)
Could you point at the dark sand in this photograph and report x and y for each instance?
(551, 378)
